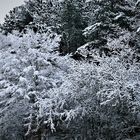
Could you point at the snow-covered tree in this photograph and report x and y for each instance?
(44, 12)
(108, 17)
(17, 19)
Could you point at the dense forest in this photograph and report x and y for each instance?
(70, 70)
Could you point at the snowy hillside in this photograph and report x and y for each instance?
(70, 78)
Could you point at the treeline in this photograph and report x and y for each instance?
(105, 18)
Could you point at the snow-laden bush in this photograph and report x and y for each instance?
(57, 93)
(107, 94)
(21, 58)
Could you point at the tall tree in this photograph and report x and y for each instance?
(17, 19)
(44, 13)
(72, 25)
(107, 16)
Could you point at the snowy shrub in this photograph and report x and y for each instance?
(58, 95)
(107, 94)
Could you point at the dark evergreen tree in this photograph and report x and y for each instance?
(72, 25)
(44, 12)
(17, 19)
(108, 16)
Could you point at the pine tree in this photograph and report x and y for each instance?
(108, 16)
(72, 26)
(17, 19)
(44, 13)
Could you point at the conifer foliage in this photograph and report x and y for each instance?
(17, 19)
(72, 25)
